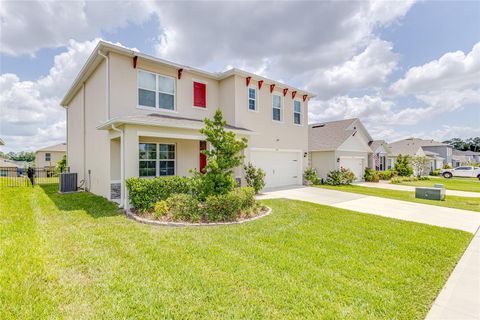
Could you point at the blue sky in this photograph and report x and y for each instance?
(405, 68)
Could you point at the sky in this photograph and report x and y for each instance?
(405, 68)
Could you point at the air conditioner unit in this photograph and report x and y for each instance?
(68, 182)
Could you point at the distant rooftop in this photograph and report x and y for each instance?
(56, 147)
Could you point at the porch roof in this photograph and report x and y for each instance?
(160, 120)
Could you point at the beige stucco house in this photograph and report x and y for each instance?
(131, 115)
(49, 156)
(336, 144)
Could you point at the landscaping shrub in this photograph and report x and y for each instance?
(144, 193)
(161, 209)
(402, 166)
(340, 177)
(183, 207)
(222, 207)
(435, 172)
(387, 174)
(371, 175)
(255, 177)
(396, 180)
(245, 195)
(310, 176)
(447, 166)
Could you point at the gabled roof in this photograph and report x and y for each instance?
(375, 144)
(465, 153)
(61, 147)
(328, 136)
(160, 120)
(7, 163)
(410, 146)
(95, 59)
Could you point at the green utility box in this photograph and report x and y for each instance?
(430, 193)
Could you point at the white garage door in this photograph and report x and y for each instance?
(354, 164)
(281, 168)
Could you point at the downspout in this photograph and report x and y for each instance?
(107, 84)
(84, 139)
(122, 161)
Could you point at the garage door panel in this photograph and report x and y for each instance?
(281, 168)
(355, 164)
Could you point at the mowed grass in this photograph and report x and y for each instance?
(462, 184)
(464, 203)
(76, 256)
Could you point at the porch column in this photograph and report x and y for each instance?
(130, 159)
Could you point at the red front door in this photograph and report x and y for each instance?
(203, 157)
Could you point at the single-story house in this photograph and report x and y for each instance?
(8, 168)
(49, 156)
(436, 152)
(336, 144)
(464, 157)
(381, 158)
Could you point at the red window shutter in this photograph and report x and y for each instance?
(199, 95)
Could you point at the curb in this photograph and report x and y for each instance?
(189, 224)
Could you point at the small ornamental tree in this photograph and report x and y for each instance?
(62, 164)
(402, 166)
(420, 165)
(223, 156)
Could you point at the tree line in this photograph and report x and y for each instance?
(470, 144)
(26, 156)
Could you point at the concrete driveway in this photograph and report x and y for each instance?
(387, 185)
(438, 216)
(460, 297)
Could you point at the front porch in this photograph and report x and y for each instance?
(154, 150)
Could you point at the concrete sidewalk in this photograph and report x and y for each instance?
(460, 296)
(387, 185)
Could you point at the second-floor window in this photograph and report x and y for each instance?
(297, 112)
(48, 156)
(252, 99)
(276, 108)
(199, 95)
(156, 91)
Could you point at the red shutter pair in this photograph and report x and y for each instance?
(199, 95)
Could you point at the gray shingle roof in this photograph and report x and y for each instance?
(410, 146)
(329, 136)
(57, 147)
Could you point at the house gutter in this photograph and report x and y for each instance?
(122, 161)
(107, 84)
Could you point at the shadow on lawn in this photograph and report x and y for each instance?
(95, 206)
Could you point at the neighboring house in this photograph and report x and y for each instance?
(49, 156)
(464, 157)
(134, 115)
(8, 168)
(438, 153)
(381, 158)
(336, 144)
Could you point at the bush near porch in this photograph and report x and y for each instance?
(208, 196)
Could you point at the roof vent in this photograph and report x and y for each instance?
(319, 125)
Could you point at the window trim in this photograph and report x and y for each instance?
(301, 113)
(157, 91)
(282, 116)
(157, 159)
(257, 100)
(193, 94)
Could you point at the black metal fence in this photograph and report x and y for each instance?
(18, 177)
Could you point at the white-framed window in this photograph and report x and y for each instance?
(297, 112)
(48, 156)
(276, 107)
(252, 99)
(156, 91)
(156, 159)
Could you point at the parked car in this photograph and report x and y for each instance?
(465, 171)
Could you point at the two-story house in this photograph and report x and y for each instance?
(134, 115)
(48, 157)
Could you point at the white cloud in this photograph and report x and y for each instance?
(369, 69)
(447, 132)
(454, 72)
(28, 26)
(31, 116)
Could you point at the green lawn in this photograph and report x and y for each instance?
(76, 256)
(463, 184)
(465, 203)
